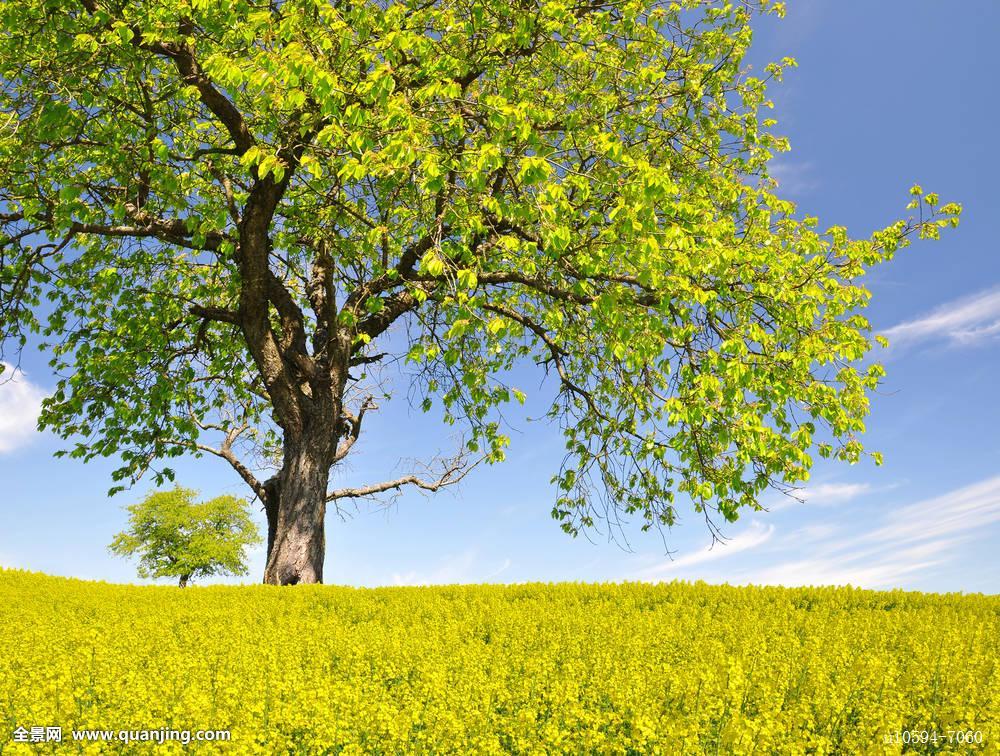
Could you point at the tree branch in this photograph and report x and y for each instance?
(226, 452)
(169, 231)
(219, 314)
(214, 100)
(354, 430)
(455, 470)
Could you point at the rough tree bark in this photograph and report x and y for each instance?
(272, 490)
(296, 508)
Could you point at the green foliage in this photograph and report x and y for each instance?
(174, 536)
(584, 187)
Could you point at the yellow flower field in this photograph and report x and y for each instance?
(567, 668)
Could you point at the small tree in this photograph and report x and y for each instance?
(175, 536)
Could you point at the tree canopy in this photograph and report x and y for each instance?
(175, 536)
(227, 218)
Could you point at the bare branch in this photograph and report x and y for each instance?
(454, 471)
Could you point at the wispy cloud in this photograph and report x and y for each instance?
(793, 177)
(879, 574)
(20, 403)
(818, 532)
(750, 538)
(968, 508)
(503, 568)
(969, 320)
(909, 540)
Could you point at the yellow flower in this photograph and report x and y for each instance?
(672, 668)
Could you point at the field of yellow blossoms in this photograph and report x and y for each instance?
(567, 668)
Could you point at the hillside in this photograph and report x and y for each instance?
(673, 668)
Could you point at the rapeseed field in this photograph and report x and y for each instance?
(565, 668)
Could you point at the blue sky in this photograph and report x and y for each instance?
(887, 94)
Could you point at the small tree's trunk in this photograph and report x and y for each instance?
(295, 514)
(184, 580)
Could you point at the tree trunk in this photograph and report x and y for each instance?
(272, 494)
(182, 583)
(296, 508)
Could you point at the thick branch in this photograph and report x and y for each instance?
(395, 306)
(170, 231)
(214, 100)
(219, 314)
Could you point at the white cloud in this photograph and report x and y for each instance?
(822, 494)
(20, 403)
(750, 538)
(831, 493)
(909, 540)
(965, 321)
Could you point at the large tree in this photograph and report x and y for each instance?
(228, 216)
